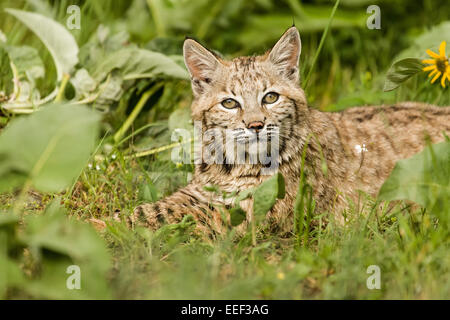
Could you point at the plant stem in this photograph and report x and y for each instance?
(322, 40)
(309, 214)
(157, 150)
(148, 125)
(299, 207)
(253, 230)
(64, 81)
(137, 109)
(15, 80)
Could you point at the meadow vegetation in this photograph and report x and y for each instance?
(86, 117)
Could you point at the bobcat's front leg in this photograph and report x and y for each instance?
(172, 209)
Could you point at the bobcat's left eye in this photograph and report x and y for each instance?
(230, 103)
(270, 97)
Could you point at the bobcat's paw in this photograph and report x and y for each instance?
(148, 216)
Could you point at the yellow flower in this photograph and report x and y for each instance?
(280, 275)
(438, 65)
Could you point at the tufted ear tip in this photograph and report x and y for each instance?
(202, 64)
(188, 44)
(292, 33)
(286, 53)
(292, 28)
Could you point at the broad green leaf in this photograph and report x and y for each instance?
(101, 44)
(244, 195)
(267, 193)
(180, 119)
(264, 198)
(424, 178)
(401, 71)
(174, 234)
(8, 220)
(212, 188)
(148, 192)
(57, 243)
(10, 273)
(6, 74)
(58, 40)
(110, 90)
(429, 39)
(9, 224)
(237, 215)
(50, 147)
(27, 60)
(83, 83)
(137, 63)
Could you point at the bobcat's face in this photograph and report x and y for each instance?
(248, 101)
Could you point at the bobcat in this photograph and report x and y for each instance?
(251, 97)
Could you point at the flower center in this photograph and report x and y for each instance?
(441, 64)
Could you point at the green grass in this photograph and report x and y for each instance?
(408, 243)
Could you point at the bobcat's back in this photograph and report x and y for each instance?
(374, 138)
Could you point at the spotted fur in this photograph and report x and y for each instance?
(359, 145)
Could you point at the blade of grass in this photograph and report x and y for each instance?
(64, 81)
(156, 14)
(322, 40)
(157, 150)
(299, 207)
(148, 125)
(137, 109)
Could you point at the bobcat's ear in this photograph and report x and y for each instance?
(202, 64)
(285, 54)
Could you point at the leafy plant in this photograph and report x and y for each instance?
(55, 145)
(407, 63)
(49, 244)
(99, 75)
(57, 39)
(264, 198)
(144, 96)
(401, 71)
(424, 178)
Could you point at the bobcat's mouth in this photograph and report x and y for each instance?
(266, 135)
(262, 145)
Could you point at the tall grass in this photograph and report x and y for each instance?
(346, 65)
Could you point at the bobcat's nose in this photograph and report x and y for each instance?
(256, 125)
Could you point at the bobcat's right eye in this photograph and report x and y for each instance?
(270, 98)
(230, 103)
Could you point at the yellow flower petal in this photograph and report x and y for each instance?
(444, 79)
(432, 54)
(442, 49)
(436, 77)
(428, 68)
(429, 61)
(432, 72)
